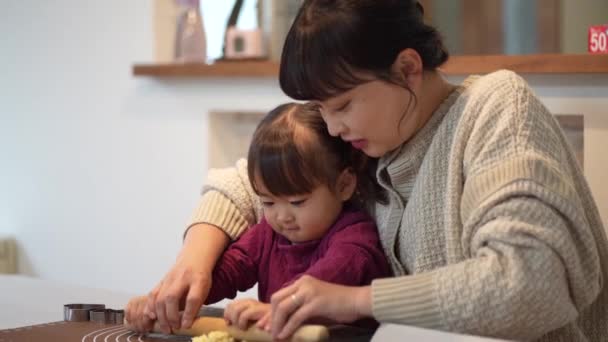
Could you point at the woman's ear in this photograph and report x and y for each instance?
(408, 68)
(346, 184)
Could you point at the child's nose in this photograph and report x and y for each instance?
(284, 216)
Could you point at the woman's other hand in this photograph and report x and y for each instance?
(241, 312)
(309, 298)
(188, 282)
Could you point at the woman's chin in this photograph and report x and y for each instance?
(372, 152)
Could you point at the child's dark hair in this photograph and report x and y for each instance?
(291, 153)
(335, 45)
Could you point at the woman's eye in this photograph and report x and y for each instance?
(343, 107)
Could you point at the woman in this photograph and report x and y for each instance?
(490, 227)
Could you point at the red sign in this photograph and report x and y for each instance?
(598, 39)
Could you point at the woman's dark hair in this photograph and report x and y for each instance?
(335, 45)
(291, 153)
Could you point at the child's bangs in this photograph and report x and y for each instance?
(281, 171)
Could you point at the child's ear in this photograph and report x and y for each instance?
(347, 184)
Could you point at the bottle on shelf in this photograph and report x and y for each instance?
(190, 40)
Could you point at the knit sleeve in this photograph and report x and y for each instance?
(228, 201)
(530, 233)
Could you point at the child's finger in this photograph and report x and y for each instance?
(136, 316)
(233, 311)
(248, 314)
(148, 325)
(142, 318)
(145, 323)
(264, 321)
(128, 314)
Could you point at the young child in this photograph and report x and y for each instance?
(313, 223)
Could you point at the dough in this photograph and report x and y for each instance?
(214, 336)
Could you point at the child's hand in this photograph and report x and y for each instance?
(241, 312)
(264, 322)
(135, 316)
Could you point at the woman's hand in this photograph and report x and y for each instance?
(184, 284)
(134, 314)
(309, 298)
(188, 281)
(241, 312)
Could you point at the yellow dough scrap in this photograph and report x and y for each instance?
(214, 336)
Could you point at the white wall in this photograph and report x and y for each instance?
(99, 171)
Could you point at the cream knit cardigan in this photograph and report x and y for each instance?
(490, 229)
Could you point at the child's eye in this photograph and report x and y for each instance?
(267, 203)
(298, 203)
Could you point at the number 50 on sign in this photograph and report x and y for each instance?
(598, 39)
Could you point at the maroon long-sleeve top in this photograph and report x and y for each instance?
(349, 254)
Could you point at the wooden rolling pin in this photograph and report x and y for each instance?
(205, 325)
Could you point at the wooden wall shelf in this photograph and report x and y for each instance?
(457, 65)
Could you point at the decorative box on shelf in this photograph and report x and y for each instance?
(598, 39)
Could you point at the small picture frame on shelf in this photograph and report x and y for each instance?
(244, 44)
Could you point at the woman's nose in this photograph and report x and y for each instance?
(335, 127)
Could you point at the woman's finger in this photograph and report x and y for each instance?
(172, 297)
(282, 308)
(283, 293)
(161, 314)
(159, 304)
(150, 309)
(172, 310)
(295, 320)
(194, 300)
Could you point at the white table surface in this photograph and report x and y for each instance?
(27, 301)
(400, 333)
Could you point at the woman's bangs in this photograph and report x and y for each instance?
(316, 65)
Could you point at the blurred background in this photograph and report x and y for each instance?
(515, 27)
(470, 27)
(100, 170)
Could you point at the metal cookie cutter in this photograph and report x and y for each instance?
(79, 312)
(107, 316)
(119, 316)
